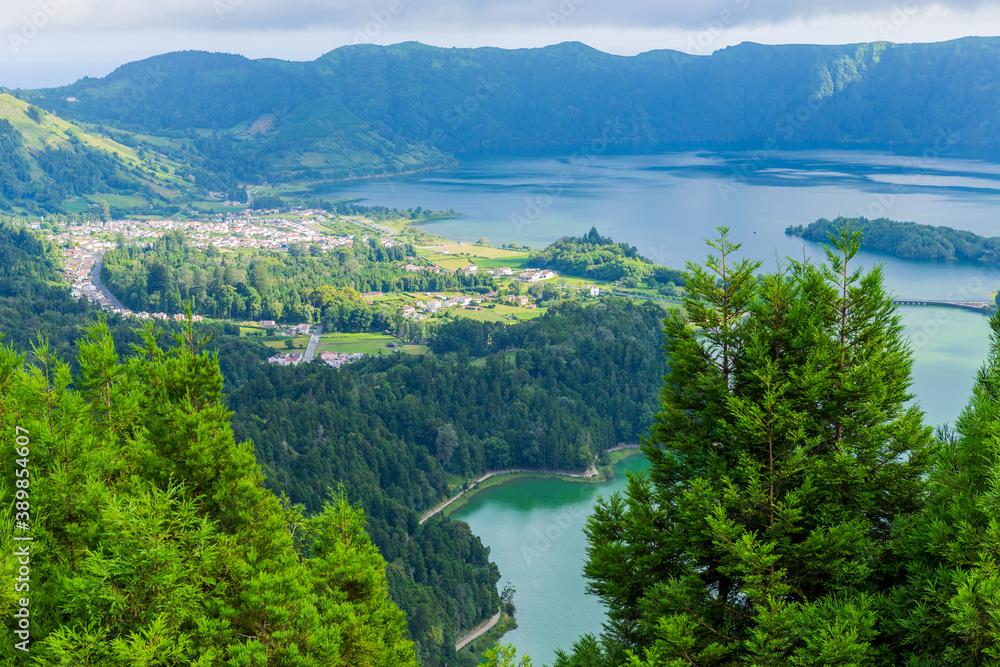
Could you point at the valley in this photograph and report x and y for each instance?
(346, 360)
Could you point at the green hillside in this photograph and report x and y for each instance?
(46, 162)
(218, 121)
(322, 139)
(53, 132)
(569, 94)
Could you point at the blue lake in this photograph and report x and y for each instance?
(666, 205)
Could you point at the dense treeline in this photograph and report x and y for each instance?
(33, 305)
(314, 428)
(14, 168)
(599, 257)
(909, 240)
(744, 93)
(305, 284)
(58, 174)
(82, 170)
(153, 538)
(797, 511)
(580, 380)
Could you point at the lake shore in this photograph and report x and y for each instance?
(496, 478)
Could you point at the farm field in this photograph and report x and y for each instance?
(516, 263)
(454, 257)
(500, 313)
(450, 262)
(365, 344)
(279, 345)
(206, 206)
(471, 250)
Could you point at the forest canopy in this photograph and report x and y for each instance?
(600, 258)
(909, 240)
(797, 511)
(153, 538)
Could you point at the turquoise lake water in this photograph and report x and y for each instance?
(666, 205)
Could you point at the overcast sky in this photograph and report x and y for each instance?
(55, 42)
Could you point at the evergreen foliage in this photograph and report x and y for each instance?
(781, 461)
(945, 613)
(32, 303)
(549, 393)
(155, 541)
(600, 258)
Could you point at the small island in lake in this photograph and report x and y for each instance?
(909, 240)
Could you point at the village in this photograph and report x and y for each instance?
(83, 247)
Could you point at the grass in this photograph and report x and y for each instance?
(118, 201)
(216, 207)
(499, 313)
(54, 131)
(455, 256)
(395, 298)
(300, 343)
(341, 227)
(474, 251)
(342, 342)
(519, 263)
(76, 205)
(450, 262)
(621, 454)
(580, 282)
(453, 481)
(361, 342)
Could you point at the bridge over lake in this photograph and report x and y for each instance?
(977, 306)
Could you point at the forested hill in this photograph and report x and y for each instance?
(567, 95)
(170, 129)
(600, 258)
(551, 392)
(548, 393)
(33, 305)
(909, 240)
(152, 538)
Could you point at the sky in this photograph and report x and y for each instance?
(55, 42)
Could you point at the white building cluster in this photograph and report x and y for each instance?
(230, 232)
(338, 359)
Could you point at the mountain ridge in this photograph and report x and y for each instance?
(366, 110)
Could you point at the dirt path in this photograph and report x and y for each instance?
(591, 472)
(619, 448)
(476, 632)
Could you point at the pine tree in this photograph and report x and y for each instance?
(781, 459)
(155, 542)
(948, 610)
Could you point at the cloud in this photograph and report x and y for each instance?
(465, 15)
